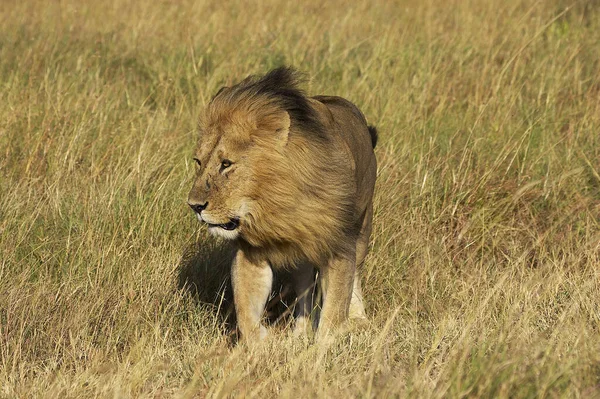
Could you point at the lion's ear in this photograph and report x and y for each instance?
(274, 127)
(283, 129)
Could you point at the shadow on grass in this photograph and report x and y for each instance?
(204, 272)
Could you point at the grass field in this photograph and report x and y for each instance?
(483, 278)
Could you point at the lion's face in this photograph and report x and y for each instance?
(222, 172)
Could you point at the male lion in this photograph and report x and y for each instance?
(289, 179)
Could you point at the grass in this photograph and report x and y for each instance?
(484, 275)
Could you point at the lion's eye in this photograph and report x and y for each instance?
(197, 161)
(225, 163)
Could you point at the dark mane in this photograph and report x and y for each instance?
(280, 87)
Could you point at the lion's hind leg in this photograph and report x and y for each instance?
(304, 286)
(357, 307)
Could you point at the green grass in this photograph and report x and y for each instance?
(483, 278)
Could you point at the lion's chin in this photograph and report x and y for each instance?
(218, 231)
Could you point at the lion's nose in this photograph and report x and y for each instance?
(198, 207)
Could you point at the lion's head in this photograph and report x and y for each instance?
(240, 132)
(265, 173)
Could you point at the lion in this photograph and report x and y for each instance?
(290, 180)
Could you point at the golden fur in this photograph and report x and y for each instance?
(290, 179)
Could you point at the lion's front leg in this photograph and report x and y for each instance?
(337, 279)
(252, 284)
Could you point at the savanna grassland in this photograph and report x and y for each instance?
(483, 278)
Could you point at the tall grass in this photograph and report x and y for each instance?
(484, 275)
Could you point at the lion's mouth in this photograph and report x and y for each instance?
(229, 226)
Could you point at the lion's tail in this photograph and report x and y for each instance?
(373, 133)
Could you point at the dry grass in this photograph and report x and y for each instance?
(484, 274)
